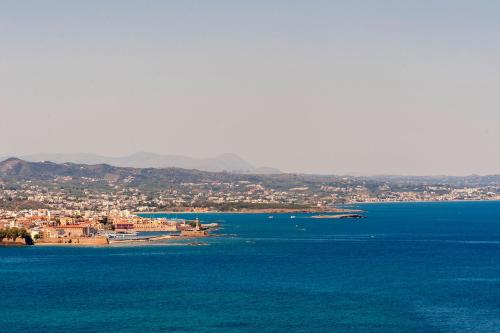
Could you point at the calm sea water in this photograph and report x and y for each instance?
(426, 267)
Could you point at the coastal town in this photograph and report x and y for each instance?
(49, 227)
(48, 203)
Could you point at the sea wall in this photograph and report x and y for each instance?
(194, 233)
(75, 241)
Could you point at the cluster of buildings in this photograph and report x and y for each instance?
(93, 228)
(185, 196)
(386, 193)
(92, 198)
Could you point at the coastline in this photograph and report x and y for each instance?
(310, 210)
(421, 201)
(258, 211)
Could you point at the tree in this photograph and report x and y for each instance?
(15, 233)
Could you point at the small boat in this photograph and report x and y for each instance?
(270, 217)
(292, 217)
(121, 235)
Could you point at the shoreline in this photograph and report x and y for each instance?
(312, 210)
(421, 201)
(260, 211)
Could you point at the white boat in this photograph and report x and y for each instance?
(113, 234)
(127, 233)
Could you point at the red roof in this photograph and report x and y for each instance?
(73, 226)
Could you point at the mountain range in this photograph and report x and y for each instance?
(14, 169)
(225, 162)
(17, 169)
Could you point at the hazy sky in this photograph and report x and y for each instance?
(401, 87)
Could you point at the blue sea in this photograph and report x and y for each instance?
(406, 267)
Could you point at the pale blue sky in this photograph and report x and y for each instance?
(407, 87)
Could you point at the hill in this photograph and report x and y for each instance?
(225, 162)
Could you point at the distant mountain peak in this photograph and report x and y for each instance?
(11, 160)
(230, 156)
